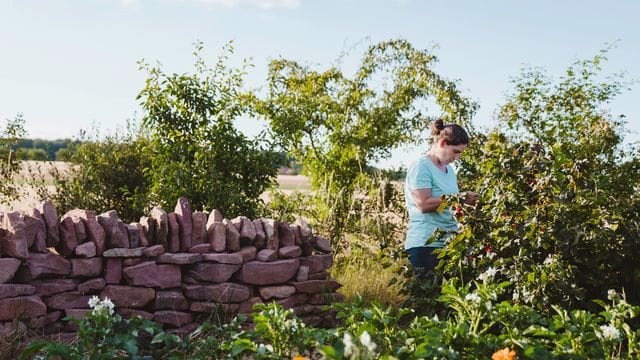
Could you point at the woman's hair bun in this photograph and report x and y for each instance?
(453, 134)
(436, 127)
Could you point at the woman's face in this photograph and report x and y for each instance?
(449, 153)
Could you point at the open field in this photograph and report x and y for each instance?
(31, 170)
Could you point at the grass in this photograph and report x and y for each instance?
(362, 273)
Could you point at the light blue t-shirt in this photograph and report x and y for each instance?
(424, 174)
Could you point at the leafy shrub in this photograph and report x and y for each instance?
(102, 334)
(480, 322)
(559, 208)
(197, 151)
(106, 172)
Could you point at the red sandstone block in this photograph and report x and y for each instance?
(183, 217)
(170, 300)
(8, 268)
(276, 292)
(13, 241)
(222, 293)
(68, 300)
(212, 272)
(150, 274)
(15, 290)
(24, 306)
(316, 286)
(172, 318)
(128, 296)
(267, 273)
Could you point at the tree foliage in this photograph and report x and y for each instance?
(11, 133)
(106, 172)
(338, 125)
(196, 150)
(33, 148)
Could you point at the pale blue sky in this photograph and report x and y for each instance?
(68, 64)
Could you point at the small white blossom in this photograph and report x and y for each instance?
(473, 297)
(548, 260)
(293, 325)
(98, 305)
(609, 332)
(611, 294)
(527, 296)
(348, 344)
(94, 301)
(489, 274)
(262, 348)
(491, 271)
(365, 339)
(491, 255)
(488, 305)
(516, 296)
(108, 304)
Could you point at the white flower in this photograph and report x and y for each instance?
(489, 305)
(611, 294)
(108, 304)
(293, 325)
(609, 332)
(263, 348)
(348, 344)
(489, 274)
(516, 296)
(548, 260)
(365, 339)
(527, 296)
(491, 255)
(98, 305)
(94, 301)
(491, 271)
(473, 297)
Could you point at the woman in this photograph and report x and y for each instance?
(427, 179)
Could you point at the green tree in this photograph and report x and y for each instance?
(11, 133)
(31, 154)
(50, 147)
(197, 151)
(338, 125)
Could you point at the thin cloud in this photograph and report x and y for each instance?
(129, 3)
(263, 4)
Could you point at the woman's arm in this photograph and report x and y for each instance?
(424, 201)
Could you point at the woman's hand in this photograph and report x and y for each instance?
(470, 197)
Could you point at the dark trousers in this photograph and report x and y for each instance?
(424, 261)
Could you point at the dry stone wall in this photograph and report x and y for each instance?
(174, 268)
